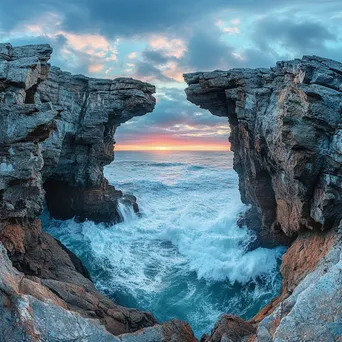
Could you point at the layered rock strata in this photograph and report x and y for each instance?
(35, 309)
(286, 137)
(286, 131)
(56, 134)
(88, 114)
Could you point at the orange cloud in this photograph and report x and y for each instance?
(172, 71)
(95, 67)
(95, 45)
(170, 47)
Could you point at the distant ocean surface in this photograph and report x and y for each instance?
(184, 257)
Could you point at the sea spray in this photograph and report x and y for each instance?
(126, 212)
(184, 256)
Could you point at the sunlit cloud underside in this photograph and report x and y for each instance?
(157, 41)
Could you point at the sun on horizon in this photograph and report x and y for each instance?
(164, 148)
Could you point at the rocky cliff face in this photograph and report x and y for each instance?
(56, 134)
(286, 131)
(286, 138)
(57, 130)
(89, 112)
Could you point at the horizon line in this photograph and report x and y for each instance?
(172, 150)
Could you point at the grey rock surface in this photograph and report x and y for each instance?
(286, 138)
(34, 311)
(313, 312)
(57, 129)
(285, 134)
(23, 317)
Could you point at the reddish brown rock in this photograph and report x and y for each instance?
(230, 328)
(300, 259)
(54, 126)
(286, 135)
(171, 331)
(304, 255)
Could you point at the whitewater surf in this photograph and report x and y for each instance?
(184, 256)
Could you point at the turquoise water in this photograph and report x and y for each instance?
(184, 257)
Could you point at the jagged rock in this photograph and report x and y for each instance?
(230, 328)
(52, 133)
(58, 129)
(302, 258)
(49, 266)
(313, 311)
(286, 138)
(31, 312)
(285, 135)
(172, 331)
(89, 112)
(32, 309)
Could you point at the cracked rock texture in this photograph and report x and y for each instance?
(88, 114)
(32, 309)
(286, 136)
(286, 132)
(56, 134)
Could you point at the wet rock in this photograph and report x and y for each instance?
(230, 328)
(285, 134)
(48, 294)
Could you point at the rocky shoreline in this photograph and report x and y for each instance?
(286, 137)
(57, 132)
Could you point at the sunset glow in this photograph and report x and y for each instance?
(172, 148)
(176, 144)
(115, 40)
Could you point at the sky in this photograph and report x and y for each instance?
(159, 40)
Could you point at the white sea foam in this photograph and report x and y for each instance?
(185, 257)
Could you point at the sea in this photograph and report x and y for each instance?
(184, 257)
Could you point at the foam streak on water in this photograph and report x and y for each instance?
(185, 257)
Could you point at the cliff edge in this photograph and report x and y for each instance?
(56, 134)
(286, 135)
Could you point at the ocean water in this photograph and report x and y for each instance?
(184, 257)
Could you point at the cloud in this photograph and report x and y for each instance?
(231, 30)
(295, 35)
(155, 56)
(206, 50)
(174, 117)
(157, 41)
(135, 17)
(169, 47)
(149, 73)
(132, 55)
(94, 68)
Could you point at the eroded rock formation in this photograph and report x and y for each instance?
(57, 132)
(89, 112)
(286, 130)
(35, 309)
(286, 138)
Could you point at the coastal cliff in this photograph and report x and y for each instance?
(286, 131)
(56, 134)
